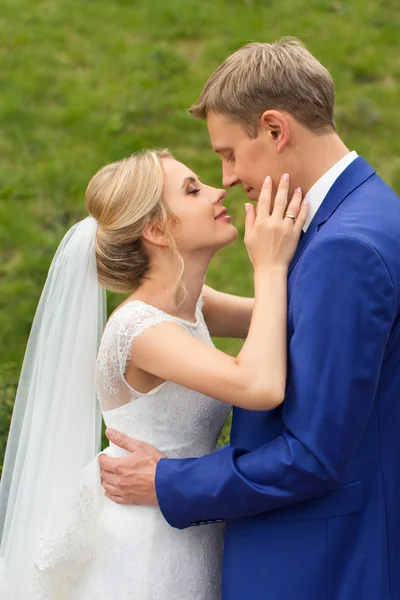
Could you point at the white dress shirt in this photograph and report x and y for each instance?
(319, 190)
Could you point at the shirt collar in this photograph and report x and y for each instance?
(319, 190)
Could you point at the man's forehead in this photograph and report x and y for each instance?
(224, 133)
(217, 123)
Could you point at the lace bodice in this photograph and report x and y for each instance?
(179, 421)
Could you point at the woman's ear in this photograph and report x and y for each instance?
(153, 234)
(276, 124)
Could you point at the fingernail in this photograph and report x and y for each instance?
(247, 206)
(268, 179)
(111, 432)
(305, 201)
(298, 190)
(285, 177)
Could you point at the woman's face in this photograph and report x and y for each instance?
(202, 221)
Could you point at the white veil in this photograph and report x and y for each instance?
(56, 424)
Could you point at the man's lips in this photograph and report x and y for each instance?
(251, 192)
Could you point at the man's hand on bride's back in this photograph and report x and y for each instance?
(271, 236)
(130, 479)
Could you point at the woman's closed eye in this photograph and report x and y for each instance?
(193, 191)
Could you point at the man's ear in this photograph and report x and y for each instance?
(154, 235)
(276, 124)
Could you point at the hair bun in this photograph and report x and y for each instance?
(123, 196)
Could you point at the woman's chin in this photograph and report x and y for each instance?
(229, 238)
(231, 235)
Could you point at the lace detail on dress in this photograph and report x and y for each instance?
(114, 354)
(131, 325)
(68, 545)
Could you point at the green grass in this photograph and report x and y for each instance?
(85, 83)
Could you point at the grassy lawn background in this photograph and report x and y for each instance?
(86, 83)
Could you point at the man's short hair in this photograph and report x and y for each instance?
(260, 76)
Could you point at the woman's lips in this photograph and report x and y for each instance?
(222, 214)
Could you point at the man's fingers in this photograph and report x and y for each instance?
(107, 464)
(110, 489)
(122, 440)
(117, 499)
(108, 477)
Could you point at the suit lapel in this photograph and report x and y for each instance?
(355, 175)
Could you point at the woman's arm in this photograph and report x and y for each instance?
(255, 379)
(227, 315)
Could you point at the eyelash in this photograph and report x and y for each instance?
(230, 158)
(194, 192)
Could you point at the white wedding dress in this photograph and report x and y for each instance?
(119, 552)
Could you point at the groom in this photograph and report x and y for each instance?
(310, 491)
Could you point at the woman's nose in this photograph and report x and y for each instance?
(220, 196)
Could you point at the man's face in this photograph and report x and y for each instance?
(245, 161)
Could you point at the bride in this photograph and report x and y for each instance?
(152, 230)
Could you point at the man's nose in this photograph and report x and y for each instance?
(229, 178)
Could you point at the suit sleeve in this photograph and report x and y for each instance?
(343, 308)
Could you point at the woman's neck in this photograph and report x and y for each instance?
(161, 287)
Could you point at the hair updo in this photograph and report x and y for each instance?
(124, 197)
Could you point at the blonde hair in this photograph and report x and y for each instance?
(124, 197)
(259, 77)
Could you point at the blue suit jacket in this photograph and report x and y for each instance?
(311, 491)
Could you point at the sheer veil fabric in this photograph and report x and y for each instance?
(56, 424)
